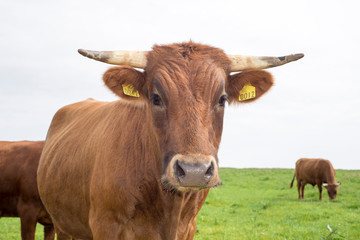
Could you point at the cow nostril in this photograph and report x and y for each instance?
(210, 170)
(179, 172)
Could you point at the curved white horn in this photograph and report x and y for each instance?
(240, 62)
(133, 58)
(325, 184)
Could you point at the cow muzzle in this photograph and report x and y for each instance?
(191, 172)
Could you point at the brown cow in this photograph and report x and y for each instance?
(318, 172)
(19, 196)
(141, 167)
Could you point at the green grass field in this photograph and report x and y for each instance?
(258, 204)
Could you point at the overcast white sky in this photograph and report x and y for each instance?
(312, 111)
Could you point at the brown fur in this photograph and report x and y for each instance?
(315, 172)
(19, 196)
(113, 162)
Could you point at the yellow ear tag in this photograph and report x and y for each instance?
(129, 90)
(248, 92)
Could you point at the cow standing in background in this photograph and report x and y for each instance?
(318, 172)
(141, 167)
(19, 196)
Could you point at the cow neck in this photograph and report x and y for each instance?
(330, 176)
(181, 210)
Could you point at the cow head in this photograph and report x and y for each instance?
(184, 88)
(332, 189)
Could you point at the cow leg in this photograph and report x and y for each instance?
(108, 230)
(61, 235)
(299, 187)
(104, 226)
(27, 213)
(28, 226)
(302, 190)
(49, 232)
(320, 190)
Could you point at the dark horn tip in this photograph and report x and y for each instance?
(297, 56)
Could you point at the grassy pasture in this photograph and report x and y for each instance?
(258, 204)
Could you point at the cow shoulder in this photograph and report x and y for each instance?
(69, 113)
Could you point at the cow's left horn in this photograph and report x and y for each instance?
(133, 58)
(240, 62)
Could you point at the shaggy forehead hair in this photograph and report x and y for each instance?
(181, 54)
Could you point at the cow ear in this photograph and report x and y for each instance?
(249, 85)
(125, 81)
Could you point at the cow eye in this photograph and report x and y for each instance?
(222, 100)
(156, 100)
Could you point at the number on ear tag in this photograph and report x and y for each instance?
(248, 92)
(129, 90)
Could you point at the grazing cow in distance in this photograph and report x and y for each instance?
(315, 171)
(141, 167)
(19, 196)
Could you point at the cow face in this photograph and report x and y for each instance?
(185, 88)
(332, 189)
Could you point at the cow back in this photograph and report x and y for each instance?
(315, 170)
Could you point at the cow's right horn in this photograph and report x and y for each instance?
(240, 62)
(132, 58)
